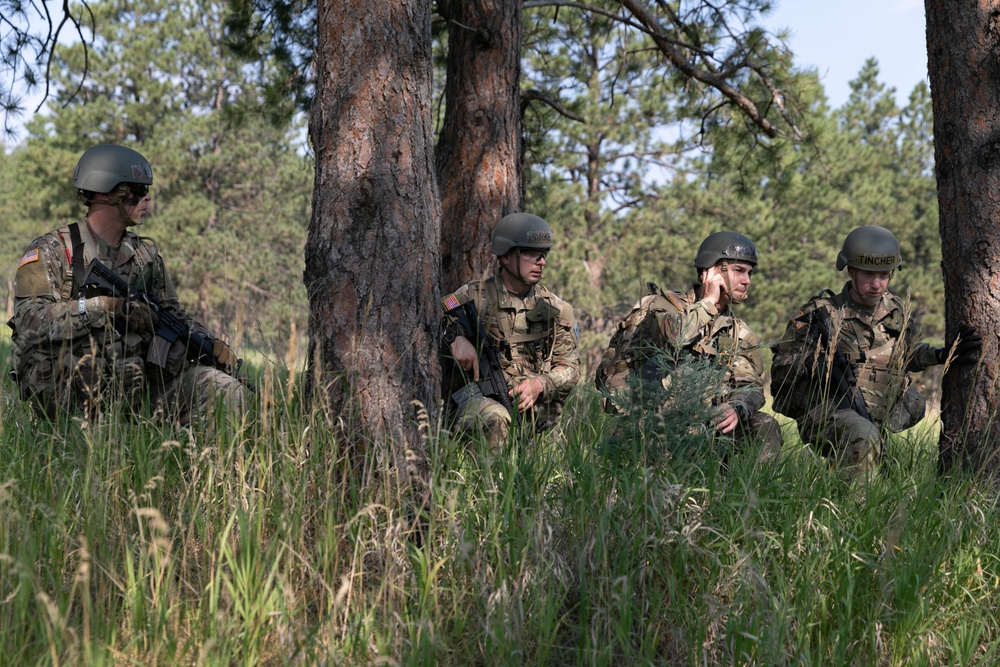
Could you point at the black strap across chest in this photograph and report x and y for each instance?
(79, 268)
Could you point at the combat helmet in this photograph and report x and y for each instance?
(104, 166)
(725, 245)
(520, 230)
(870, 248)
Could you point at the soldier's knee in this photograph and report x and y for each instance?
(487, 417)
(229, 392)
(768, 431)
(861, 453)
(763, 429)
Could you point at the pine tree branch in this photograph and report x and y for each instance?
(678, 59)
(528, 95)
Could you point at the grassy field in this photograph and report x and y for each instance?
(129, 544)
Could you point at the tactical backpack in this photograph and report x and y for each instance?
(789, 392)
(794, 357)
(632, 342)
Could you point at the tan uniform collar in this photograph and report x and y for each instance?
(883, 309)
(96, 247)
(505, 297)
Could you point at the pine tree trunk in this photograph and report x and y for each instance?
(963, 47)
(479, 151)
(372, 253)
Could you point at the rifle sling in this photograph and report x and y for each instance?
(79, 269)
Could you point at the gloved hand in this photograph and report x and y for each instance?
(103, 304)
(967, 349)
(224, 355)
(135, 316)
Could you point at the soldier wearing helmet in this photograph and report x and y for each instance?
(533, 329)
(74, 349)
(699, 325)
(842, 368)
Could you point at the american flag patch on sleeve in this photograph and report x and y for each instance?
(29, 257)
(450, 302)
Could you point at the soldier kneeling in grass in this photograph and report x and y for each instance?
(666, 329)
(84, 338)
(842, 368)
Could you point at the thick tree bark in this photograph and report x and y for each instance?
(372, 254)
(479, 151)
(963, 49)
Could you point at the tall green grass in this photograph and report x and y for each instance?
(129, 543)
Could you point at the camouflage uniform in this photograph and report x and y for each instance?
(538, 337)
(879, 342)
(64, 358)
(686, 326)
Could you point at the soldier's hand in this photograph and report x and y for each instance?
(224, 354)
(465, 355)
(727, 420)
(527, 393)
(967, 344)
(713, 285)
(135, 316)
(109, 305)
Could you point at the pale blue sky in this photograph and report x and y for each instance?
(838, 36)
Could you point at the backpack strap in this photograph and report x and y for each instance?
(831, 296)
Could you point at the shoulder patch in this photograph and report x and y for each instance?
(29, 257)
(450, 302)
(31, 279)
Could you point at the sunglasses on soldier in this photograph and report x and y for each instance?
(139, 190)
(533, 255)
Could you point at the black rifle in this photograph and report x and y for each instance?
(101, 280)
(843, 379)
(492, 383)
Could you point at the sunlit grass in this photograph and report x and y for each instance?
(131, 543)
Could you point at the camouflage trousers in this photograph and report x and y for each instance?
(845, 436)
(64, 382)
(195, 393)
(490, 417)
(761, 428)
(90, 384)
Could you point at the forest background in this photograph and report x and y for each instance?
(289, 541)
(630, 174)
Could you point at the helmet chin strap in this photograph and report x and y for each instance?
(730, 294)
(517, 261)
(724, 268)
(124, 216)
(119, 203)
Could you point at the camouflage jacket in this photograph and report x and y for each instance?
(47, 325)
(694, 328)
(537, 334)
(877, 341)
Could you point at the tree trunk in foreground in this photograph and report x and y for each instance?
(963, 47)
(479, 151)
(372, 253)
